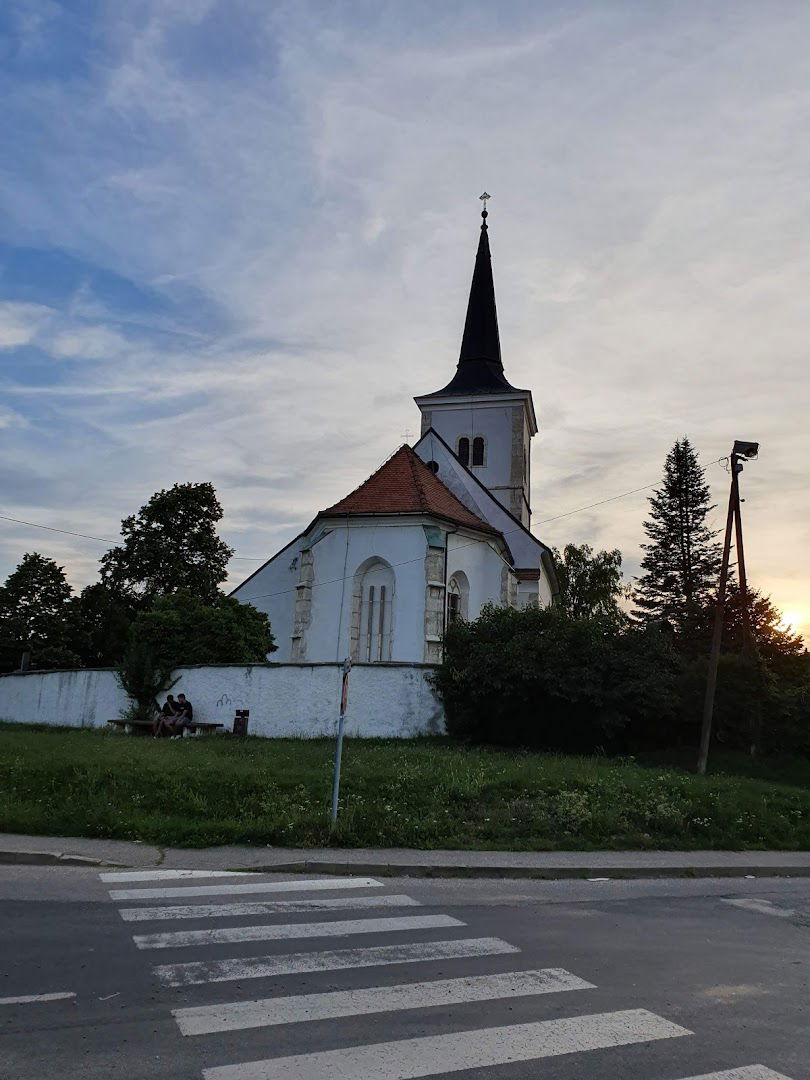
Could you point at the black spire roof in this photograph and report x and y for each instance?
(480, 370)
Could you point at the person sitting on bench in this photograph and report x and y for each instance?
(166, 716)
(185, 716)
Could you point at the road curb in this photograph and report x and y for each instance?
(547, 873)
(49, 858)
(442, 870)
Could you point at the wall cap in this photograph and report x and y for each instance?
(270, 664)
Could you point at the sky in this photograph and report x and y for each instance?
(236, 239)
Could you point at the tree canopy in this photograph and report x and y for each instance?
(772, 640)
(590, 582)
(104, 621)
(182, 629)
(170, 545)
(38, 614)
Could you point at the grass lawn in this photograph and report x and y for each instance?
(423, 794)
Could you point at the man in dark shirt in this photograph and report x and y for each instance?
(167, 715)
(185, 715)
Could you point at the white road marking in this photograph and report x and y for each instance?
(334, 960)
(29, 999)
(205, 1019)
(177, 939)
(764, 907)
(268, 907)
(751, 1072)
(166, 875)
(316, 885)
(434, 1054)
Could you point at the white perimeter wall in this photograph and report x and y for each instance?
(385, 700)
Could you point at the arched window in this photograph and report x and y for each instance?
(433, 466)
(478, 451)
(458, 595)
(373, 610)
(463, 454)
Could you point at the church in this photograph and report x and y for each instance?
(438, 531)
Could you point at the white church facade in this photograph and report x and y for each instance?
(439, 530)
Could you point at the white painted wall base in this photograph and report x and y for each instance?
(285, 700)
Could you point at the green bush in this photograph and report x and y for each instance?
(542, 679)
(182, 629)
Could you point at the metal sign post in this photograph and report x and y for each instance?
(344, 697)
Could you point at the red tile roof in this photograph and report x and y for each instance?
(405, 485)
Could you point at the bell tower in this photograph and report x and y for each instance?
(487, 422)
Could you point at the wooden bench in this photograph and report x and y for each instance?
(202, 725)
(134, 725)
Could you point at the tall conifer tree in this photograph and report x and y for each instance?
(682, 558)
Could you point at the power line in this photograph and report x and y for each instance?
(590, 506)
(104, 539)
(261, 558)
(50, 528)
(613, 498)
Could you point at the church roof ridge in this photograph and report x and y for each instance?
(405, 485)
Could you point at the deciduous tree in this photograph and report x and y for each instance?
(181, 629)
(170, 545)
(590, 582)
(38, 614)
(105, 618)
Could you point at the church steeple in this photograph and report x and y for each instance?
(481, 340)
(487, 423)
(480, 369)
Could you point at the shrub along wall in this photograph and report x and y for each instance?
(543, 679)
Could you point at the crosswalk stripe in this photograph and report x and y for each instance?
(176, 939)
(316, 885)
(750, 1072)
(166, 875)
(460, 1050)
(236, 1016)
(259, 967)
(31, 999)
(268, 907)
(763, 907)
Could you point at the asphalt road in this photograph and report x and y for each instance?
(348, 979)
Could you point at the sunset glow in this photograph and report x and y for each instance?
(795, 620)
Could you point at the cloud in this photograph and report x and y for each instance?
(262, 220)
(90, 342)
(10, 419)
(20, 323)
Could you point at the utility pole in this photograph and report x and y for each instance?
(741, 451)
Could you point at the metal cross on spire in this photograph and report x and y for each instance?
(484, 198)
